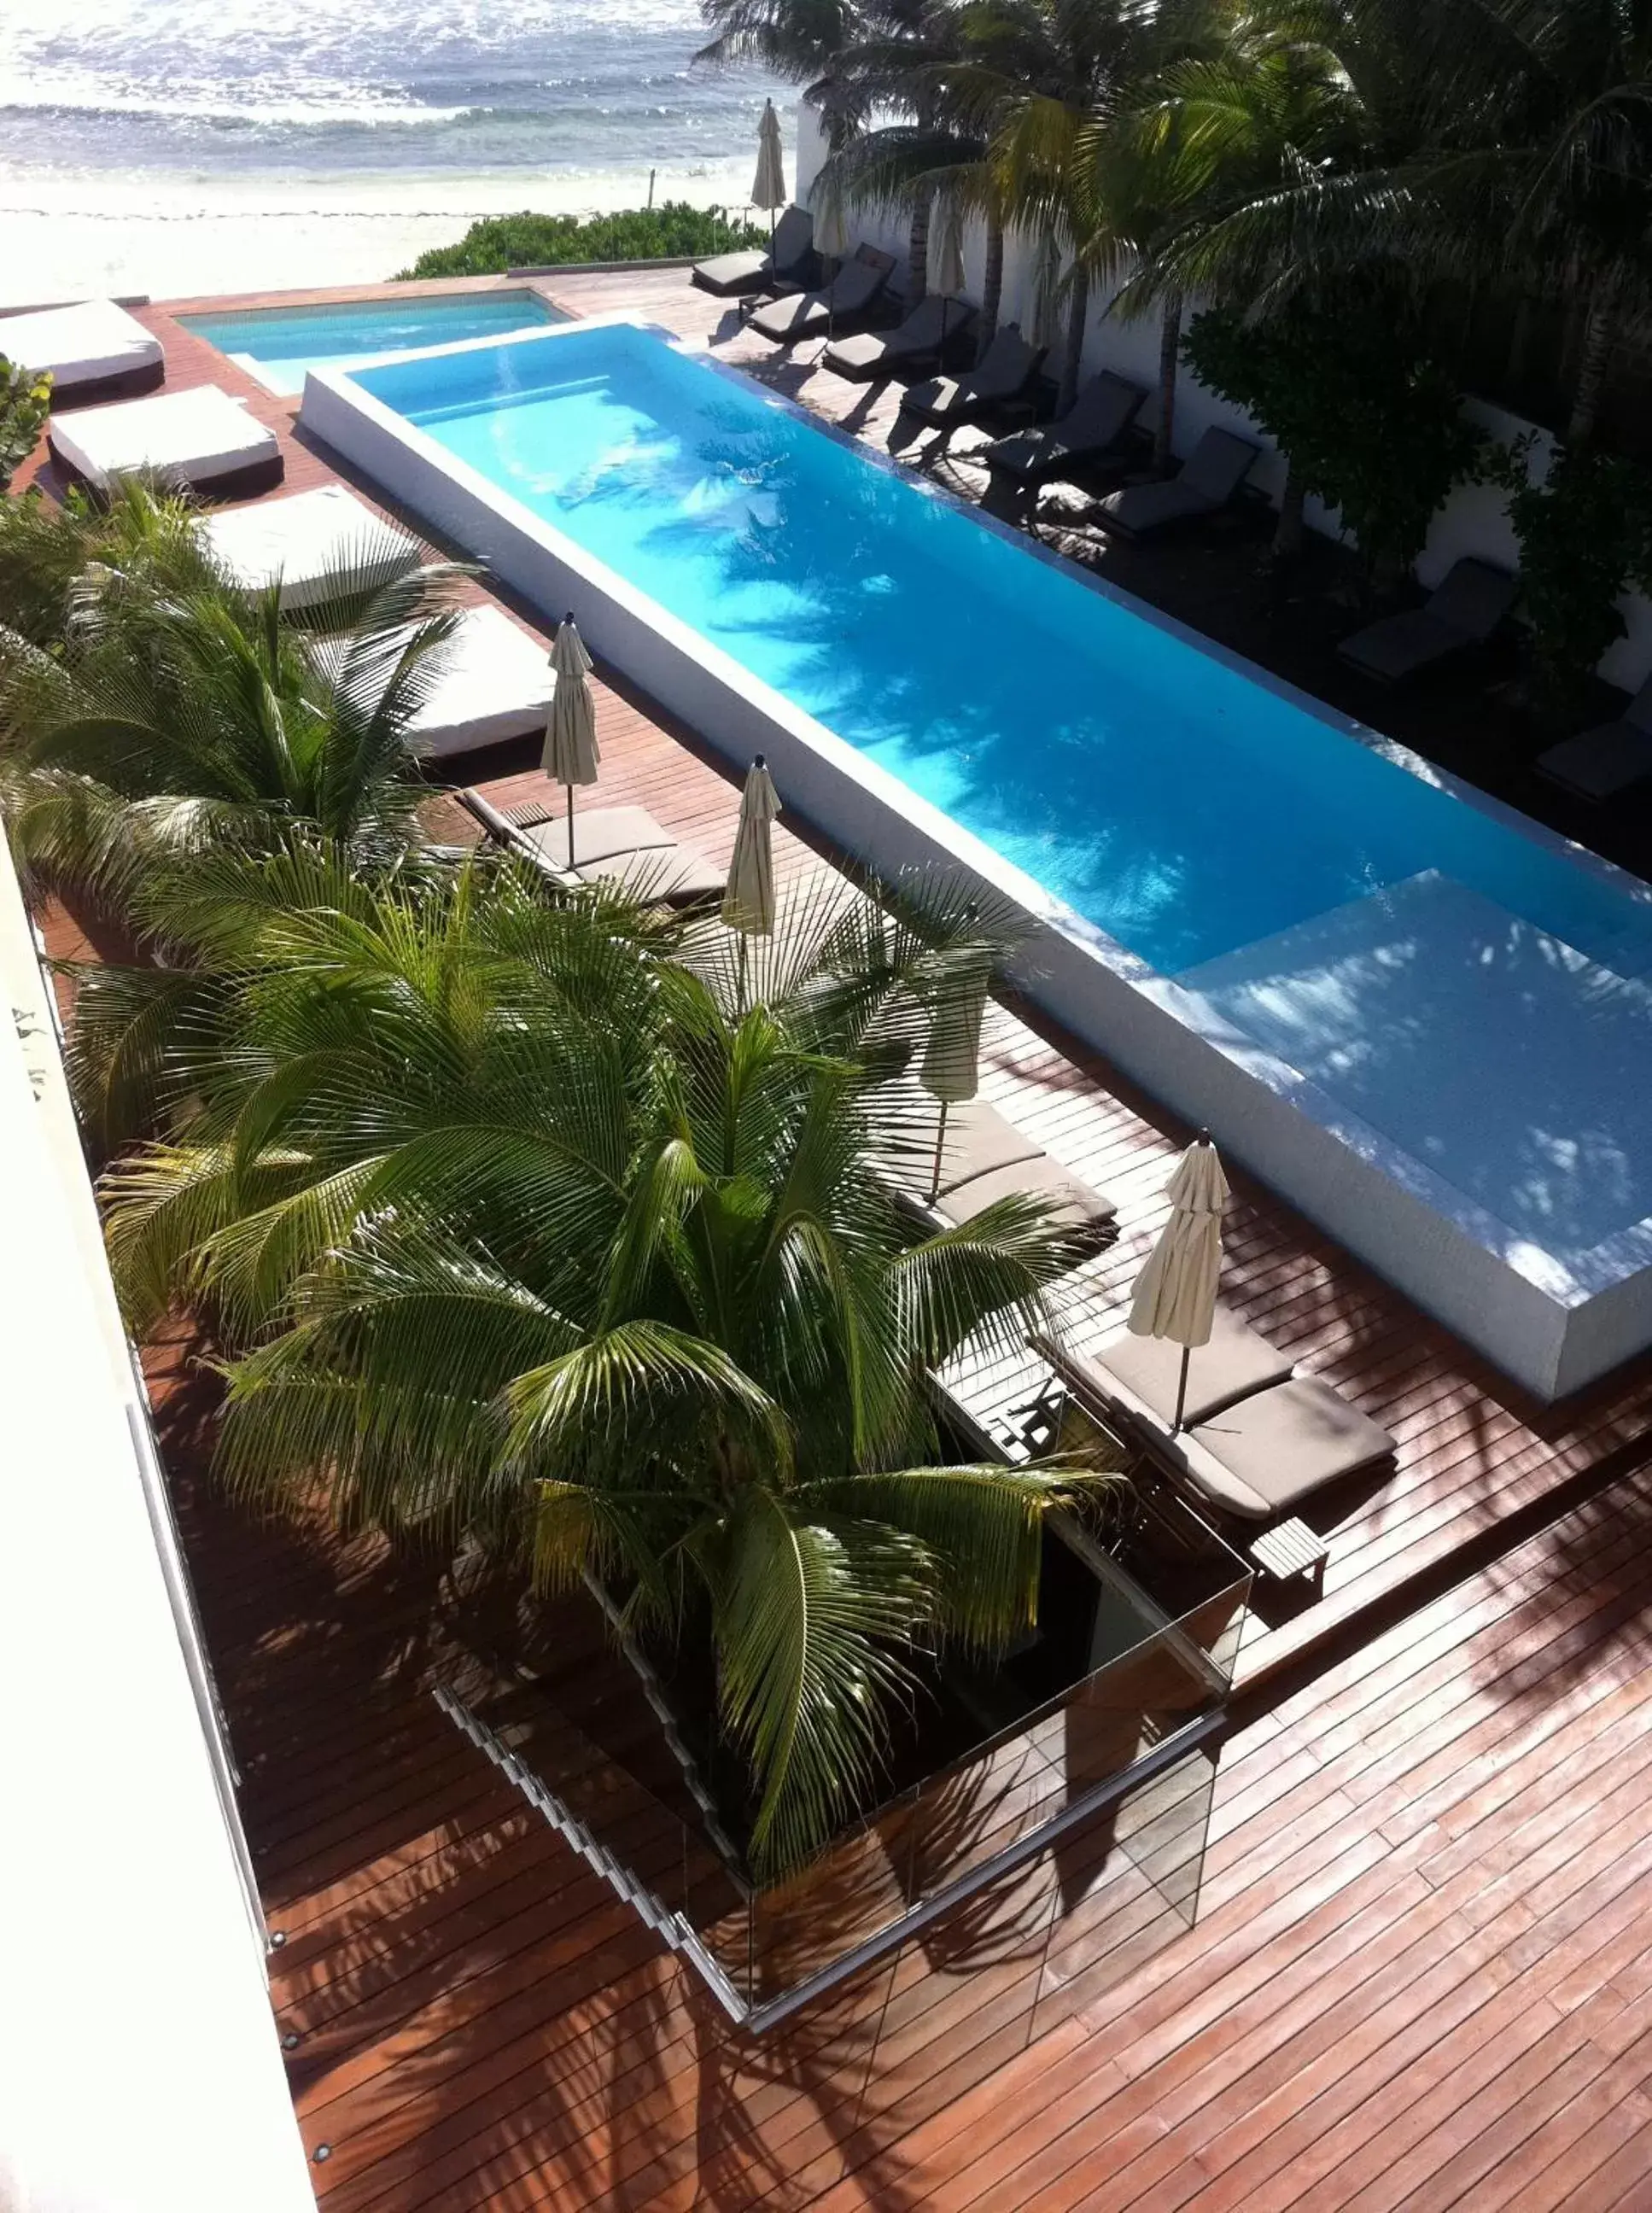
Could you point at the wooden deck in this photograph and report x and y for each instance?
(1420, 1977)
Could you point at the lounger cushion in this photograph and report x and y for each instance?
(851, 292)
(1073, 1205)
(1599, 764)
(744, 271)
(302, 540)
(496, 684)
(980, 1141)
(1464, 610)
(194, 437)
(934, 319)
(1401, 645)
(1139, 510)
(1098, 419)
(1218, 465)
(1010, 367)
(626, 844)
(88, 344)
(1263, 1456)
(1141, 1374)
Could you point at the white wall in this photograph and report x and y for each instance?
(1473, 520)
(139, 2067)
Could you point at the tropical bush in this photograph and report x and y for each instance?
(672, 231)
(1368, 421)
(1585, 531)
(152, 707)
(524, 1221)
(25, 403)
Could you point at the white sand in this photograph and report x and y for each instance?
(69, 236)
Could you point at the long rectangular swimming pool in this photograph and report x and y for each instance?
(1336, 920)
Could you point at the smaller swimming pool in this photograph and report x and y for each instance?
(280, 345)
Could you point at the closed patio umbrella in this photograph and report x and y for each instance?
(949, 258)
(769, 186)
(571, 753)
(1043, 325)
(831, 243)
(1175, 1295)
(950, 1069)
(749, 897)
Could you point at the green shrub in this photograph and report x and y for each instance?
(526, 241)
(1369, 421)
(25, 403)
(1585, 532)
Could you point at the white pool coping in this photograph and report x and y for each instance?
(1552, 1325)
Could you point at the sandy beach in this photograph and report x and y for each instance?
(68, 237)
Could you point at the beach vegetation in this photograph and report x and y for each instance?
(672, 231)
(25, 404)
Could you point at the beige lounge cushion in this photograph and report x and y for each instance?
(495, 684)
(978, 1141)
(626, 844)
(1260, 1457)
(1142, 1373)
(189, 437)
(313, 541)
(1073, 1204)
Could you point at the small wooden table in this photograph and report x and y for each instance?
(1291, 1548)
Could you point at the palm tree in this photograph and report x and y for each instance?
(1260, 104)
(531, 1233)
(1036, 75)
(181, 711)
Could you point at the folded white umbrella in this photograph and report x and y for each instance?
(1043, 324)
(950, 1071)
(949, 274)
(571, 753)
(1175, 1295)
(748, 899)
(769, 186)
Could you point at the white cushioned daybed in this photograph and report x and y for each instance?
(496, 684)
(92, 345)
(313, 541)
(202, 439)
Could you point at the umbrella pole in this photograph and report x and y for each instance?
(569, 789)
(940, 1143)
(1181, 1389)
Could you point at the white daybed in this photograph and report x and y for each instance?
(311, 541)
(202, 439)
(496, 684)
(92, 346)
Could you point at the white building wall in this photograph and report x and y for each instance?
(1473, 521)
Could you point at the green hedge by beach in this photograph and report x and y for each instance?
(670, 232)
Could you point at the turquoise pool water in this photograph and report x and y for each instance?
(281, 345)
(1186, 808)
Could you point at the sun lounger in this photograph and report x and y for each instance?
(313, 541)
(852, 292)
(92, 350)
(1463, 611)
(872, 353)
(494, 684)
(1092, 428)
(622, 845)
(1258, 1440)
(1008, 368)
(985, 1158)
(1210, 477)
(1599, 764)
(203, 440)
(1140, 1375)
(792, 260)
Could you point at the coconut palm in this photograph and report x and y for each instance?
(181, 711)
(533, 1236)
